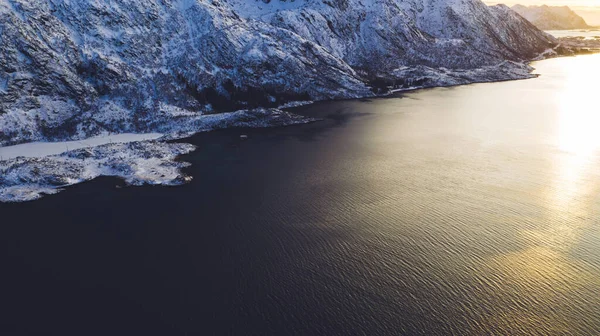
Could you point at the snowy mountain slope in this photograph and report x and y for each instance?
(71, 68)
(78, 67)
(551, 18)
(138, 163)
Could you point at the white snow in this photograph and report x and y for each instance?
(43, 149)
(137, 163)
(133, 66)
(3, 83)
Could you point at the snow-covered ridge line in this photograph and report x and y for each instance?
(70, 70)
(579, 44)
(143, 162)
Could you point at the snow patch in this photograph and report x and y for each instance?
(43, 149)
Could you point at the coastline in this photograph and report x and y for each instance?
(156, 161)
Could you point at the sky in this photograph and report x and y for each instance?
(570, 3)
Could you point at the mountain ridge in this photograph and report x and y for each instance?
(552, 17)
(71, 69)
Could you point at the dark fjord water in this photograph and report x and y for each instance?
(469, 210)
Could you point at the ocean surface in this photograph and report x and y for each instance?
(592, 33)
(468, 210)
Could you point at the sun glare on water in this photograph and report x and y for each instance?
(545, 267)
(579, 118)
(578, 122)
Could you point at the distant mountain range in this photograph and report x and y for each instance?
(552, 18)
(591, 15)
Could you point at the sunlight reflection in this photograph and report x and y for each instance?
(545, 268)
(571, 190)
(578, 122)
(579, 118)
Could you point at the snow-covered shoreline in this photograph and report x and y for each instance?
(144, 66)
(29, 171)
(43, 149)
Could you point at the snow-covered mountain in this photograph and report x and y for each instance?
(551, 18)
(70, 69)
(74, 68)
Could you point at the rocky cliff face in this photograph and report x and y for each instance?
(551, 18)
(74, 68)
(380, 35)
